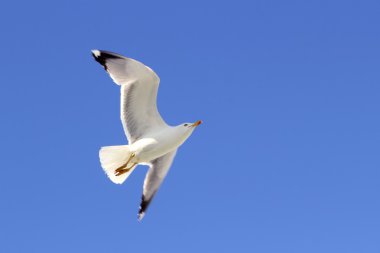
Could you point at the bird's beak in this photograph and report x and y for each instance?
(197, 123)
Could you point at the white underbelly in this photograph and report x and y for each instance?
(148, 149)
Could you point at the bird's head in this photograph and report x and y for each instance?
(185, 129)
(191, 126)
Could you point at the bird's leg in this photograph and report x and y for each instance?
(125, 164)
(122, 169)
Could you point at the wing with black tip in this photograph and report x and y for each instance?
(139, 86)
(156, 174)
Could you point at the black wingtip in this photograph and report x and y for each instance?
(98, 56)
(102, 56)
(143, 207)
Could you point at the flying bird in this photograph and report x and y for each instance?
(151, 141)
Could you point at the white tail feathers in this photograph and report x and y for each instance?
(111, 158)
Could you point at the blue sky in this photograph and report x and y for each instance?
(287, 159)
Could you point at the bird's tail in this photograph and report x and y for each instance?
(112, 158)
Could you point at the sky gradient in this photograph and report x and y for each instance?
(286, 160)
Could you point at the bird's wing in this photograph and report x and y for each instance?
(139, 85)
(156, 174)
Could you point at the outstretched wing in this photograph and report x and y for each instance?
(139, 85)
(156, 174)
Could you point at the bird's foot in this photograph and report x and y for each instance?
(122, 170)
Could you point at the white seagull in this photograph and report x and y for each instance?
(151, 141)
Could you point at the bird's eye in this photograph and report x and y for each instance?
(185, 124)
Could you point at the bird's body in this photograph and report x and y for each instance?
(151, 141)
(157, 144)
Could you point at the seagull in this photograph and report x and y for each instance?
(151, 141)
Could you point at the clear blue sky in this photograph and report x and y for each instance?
(287, 159)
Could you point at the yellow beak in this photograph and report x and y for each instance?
(197, 123)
